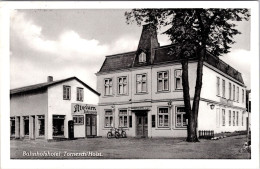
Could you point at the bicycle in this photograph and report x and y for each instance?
(122, 132)
(113, 132)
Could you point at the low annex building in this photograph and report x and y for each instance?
(142, 92)
(54, 109)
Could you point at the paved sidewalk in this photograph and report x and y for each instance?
(130, 148)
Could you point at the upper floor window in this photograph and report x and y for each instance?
(141, 83)
(66, 92)
(142, 57)
(122, 85)
(163, 81)
(234, 92)
(223, 88)
(178, 78)
(237, 94)
(223, 117)
(181, 117)
(80, 94)
(243, 96)
(108, 86)
(218, 86)
(229, 91)
(163, 117)
(123, 118)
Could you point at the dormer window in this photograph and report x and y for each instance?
(142, 57)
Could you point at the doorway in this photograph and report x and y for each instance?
(141, 124)
(58, 125)
(33, 127)
(91, 125)
(26, 126)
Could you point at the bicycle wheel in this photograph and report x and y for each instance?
(117, 135)
(109, 135)
(123, 134)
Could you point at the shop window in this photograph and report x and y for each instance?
(80, 94)
(12, 126)
(108, 86)
(58, 125)
(153, 121)
(181, 117)
(108, 118)
(229, 117)
(223, 88)
(163, 81)
(234, 118)
(41, 123)
(26, 125)
(218, 86)
(122, 85)
(141, 83)
(178, 79)
(66, 92)
(122, 118)
(130, 121)
(78, 120)
(142, 57)
(163, 117)
(223, 117)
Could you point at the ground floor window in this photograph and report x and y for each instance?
(237, 118)
(242, 116)
(41, 123)
(163, 117)
(181, 117)
(122, 118)
(12, 126)
(229, 117)
(223, 117)
(26, 125)
(108, 118)
(234, 117)
(58, 125)
(78, 119)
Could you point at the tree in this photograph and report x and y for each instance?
(196, 32)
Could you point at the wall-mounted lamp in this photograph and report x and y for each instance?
(169, 103)
(212, 106)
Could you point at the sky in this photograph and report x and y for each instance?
(65, 43)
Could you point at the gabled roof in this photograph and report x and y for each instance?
(48, 84)
(163, 55)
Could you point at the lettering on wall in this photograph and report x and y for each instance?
(83, 108)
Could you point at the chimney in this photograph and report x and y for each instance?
(49, 79)
(148, 40)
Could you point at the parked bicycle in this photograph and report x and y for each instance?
(113, 132)
(122, 132)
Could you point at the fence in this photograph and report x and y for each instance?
(206, 134)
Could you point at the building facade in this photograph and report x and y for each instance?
(142, 92)
(44, 110)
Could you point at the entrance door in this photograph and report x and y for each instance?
(26, 126)
(141, 125)
(91, 125)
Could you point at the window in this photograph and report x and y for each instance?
(141, 82)
(237, 119)
(223, 117)
(58, 125)
(223, 88)
(234, 92)
(218, 86)
(142, 57)
(178, 79)
(163, 117)
(130, 121)
(26, 125)
(229, 117)
(66, 92)
(108, 118)
(79, 94)
(229, 89)
(243, 96)
(41, 123)
(122, 85)
(122, 118)
(163, 81)
(242, 119)
(108, 87)
(237, 94)
(12, 126)
(153, 121)
(78, 119)
(181, 117)
(234, 118)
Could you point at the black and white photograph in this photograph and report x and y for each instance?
(139, 81)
